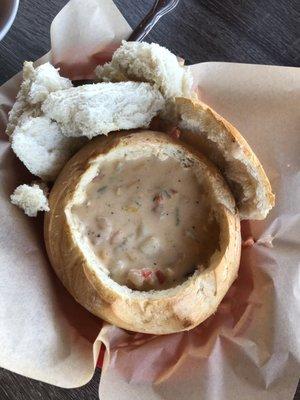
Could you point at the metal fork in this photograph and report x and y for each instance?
(160, 8)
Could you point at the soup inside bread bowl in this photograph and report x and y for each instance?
(143, 232)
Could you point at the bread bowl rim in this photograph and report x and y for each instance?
(164, 311)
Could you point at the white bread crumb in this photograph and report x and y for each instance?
(141, 61)
(40, 145)
(37, 84)
(31, 199)
(98, 109)
(46, 80)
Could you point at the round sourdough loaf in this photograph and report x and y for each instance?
(157, 311)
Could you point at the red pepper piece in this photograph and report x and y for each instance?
(160, 276)
(249, 242)
(175, 133)
(158, 198)
(146, 273)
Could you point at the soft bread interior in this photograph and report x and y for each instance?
(145, 62)
(100, 108)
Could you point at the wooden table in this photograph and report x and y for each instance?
(256, 31)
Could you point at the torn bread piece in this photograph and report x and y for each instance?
(37, 84)
(44, 150)
(98, 109)
(141, 61)
(218, 140)
(30, 198)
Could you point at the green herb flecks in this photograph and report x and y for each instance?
(177, 218)
(102, 189)
(166, 193)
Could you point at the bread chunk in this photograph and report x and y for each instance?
(141, 61)
(43, 149)
(31, 199)
(98, 109)
(37, 84)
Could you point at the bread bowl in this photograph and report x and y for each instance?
(157, 307)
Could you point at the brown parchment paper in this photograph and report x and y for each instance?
(250, 347)
(44, 333)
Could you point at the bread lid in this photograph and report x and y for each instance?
(221, 142)
(156, 311)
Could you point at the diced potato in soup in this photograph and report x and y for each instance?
(149, 221)
(150, 247)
